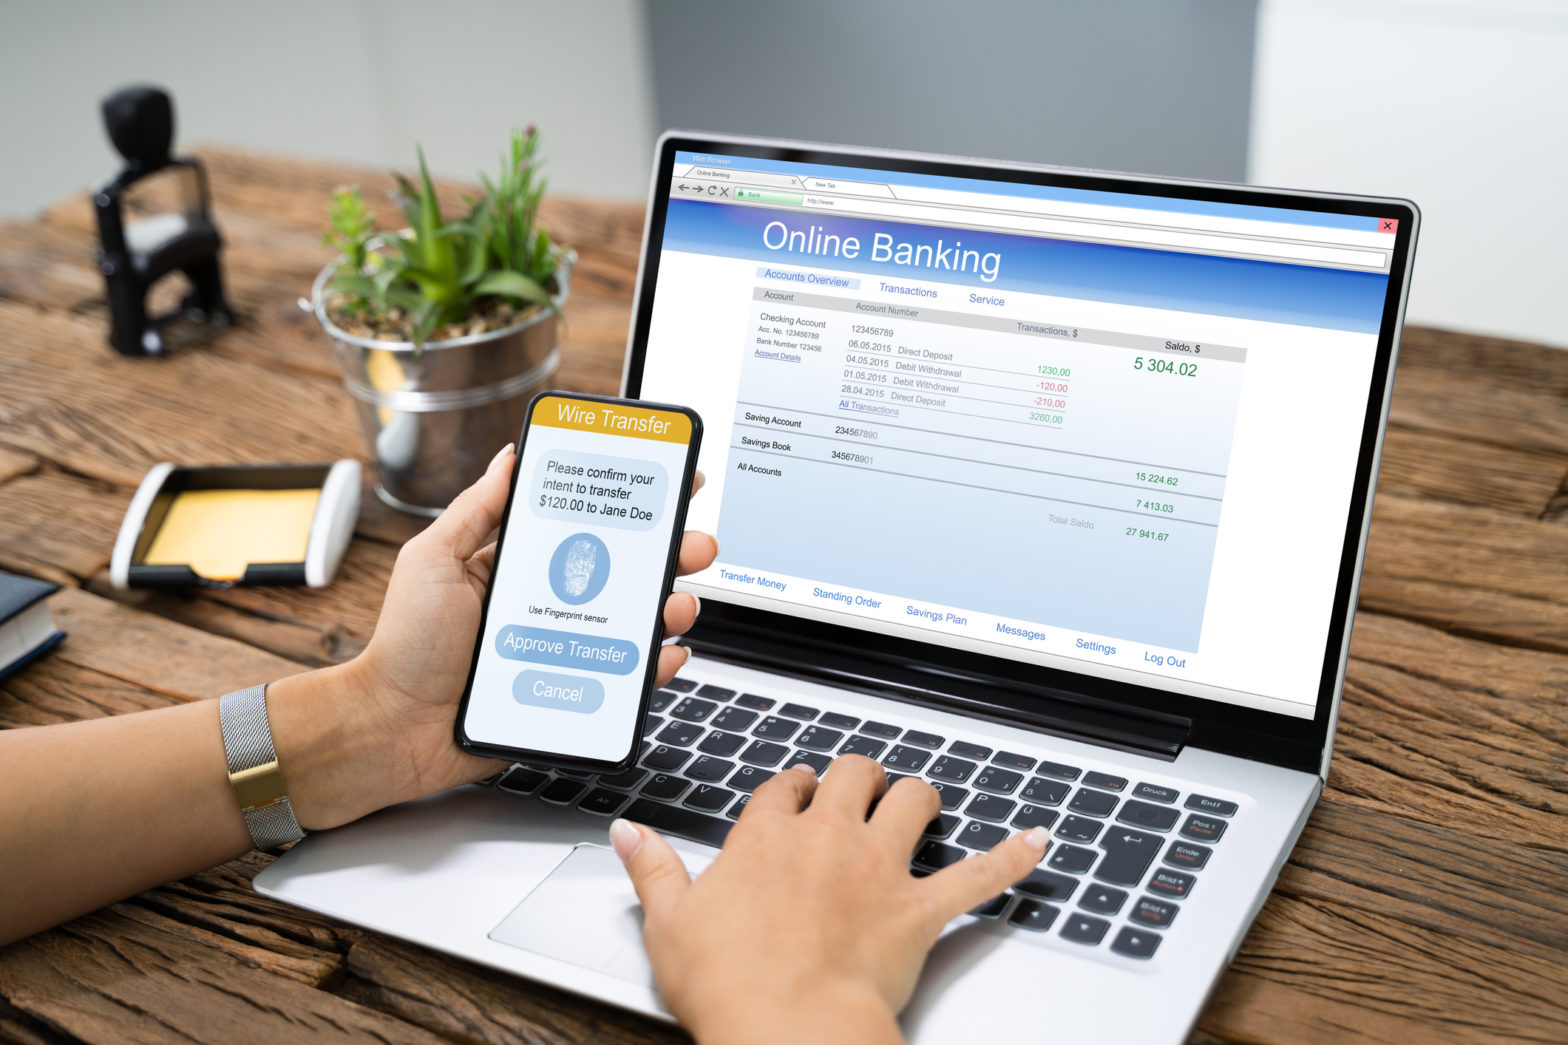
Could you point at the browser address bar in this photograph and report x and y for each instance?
(1068, 228)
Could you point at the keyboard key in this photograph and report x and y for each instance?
(1033, 816)
(994, 907)
(575, 774)
(989, 807)
(1079, 829)
(562, 790)
(680, 685)
(1185, 854)
(601, 802)
(952, 797)
(708, 769)
(936, 855)
(1128, 855)
(1176, 884)
(1202, 828)
(911, 758)
(818, 738)
(754, 702)
(1046, 885)
(953, 770)
(693, 710)
(680, 734)
(1142, 814)
(521, 781)
(715, 692)
(976, 835)
(739, 807)
(664, 786)
(1013, 761)
(816, 760)
(858, 745)
(1043, 792)
(1132, 943)
(666, 758)
(1084, 928)
(1033, 915)
(998, 781)
(1102, 899)
(918, 739)
(800, 711)
(964, 749)
(838, 721)
(651, 723)
(1092, 803)
(1071, 859)
(1057, 771)
(764, 753)
(721, 744)
(1205, 804)
(775, 728)
(734, 719)
(880, 729)
(1105, 781)
(662, 699)
(1156, 914)
(709, 799)
(749, 778)
(1155, 792)
(625, 781)
(941, 827)
(683, 823)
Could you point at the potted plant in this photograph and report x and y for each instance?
(445, 329)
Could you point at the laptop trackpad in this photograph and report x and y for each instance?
(585, 913)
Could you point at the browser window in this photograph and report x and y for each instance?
(1101, 431)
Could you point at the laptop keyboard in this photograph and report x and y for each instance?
(1124, 854)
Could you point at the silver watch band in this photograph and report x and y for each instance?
(247, 742)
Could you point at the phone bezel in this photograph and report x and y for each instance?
(556, 759)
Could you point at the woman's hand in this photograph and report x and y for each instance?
(401, 694)
(808, 926)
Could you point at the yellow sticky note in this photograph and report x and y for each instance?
(218, 533)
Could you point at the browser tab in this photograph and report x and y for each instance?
(745, 177)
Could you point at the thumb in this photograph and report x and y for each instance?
(468, 520)
(657, 873)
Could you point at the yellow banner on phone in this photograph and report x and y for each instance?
(666, 426)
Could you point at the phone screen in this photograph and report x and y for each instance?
(567, 647)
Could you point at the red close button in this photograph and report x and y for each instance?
(1388, 225)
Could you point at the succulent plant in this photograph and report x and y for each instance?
(438, 272)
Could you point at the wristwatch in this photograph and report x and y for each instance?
(253, 768)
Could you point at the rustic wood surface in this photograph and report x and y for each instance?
(1427, 901)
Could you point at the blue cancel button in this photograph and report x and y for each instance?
(544, 689)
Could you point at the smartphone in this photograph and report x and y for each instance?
(569, 636)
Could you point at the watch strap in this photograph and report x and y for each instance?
(253, 768)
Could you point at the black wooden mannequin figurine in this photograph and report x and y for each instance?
(133, 256)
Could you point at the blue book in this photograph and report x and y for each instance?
(27, 628)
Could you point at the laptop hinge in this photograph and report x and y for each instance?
(1039, 708)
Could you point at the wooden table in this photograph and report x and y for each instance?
(1426, 901)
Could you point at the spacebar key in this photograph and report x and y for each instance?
(1127, 855)
(680, 822)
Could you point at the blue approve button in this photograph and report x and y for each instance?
(565, 649)
(545, 689)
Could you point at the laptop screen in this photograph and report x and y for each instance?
(1100, 431)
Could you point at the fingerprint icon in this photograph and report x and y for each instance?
(580, 558)
(579, 569)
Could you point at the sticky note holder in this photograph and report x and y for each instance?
(245, 524)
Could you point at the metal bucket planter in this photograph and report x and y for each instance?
(434, 417)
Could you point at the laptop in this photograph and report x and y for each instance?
(1049, 487)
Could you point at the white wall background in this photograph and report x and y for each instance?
(354, 80)
(1459, 105)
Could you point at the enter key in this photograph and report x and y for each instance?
(1128, 855)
